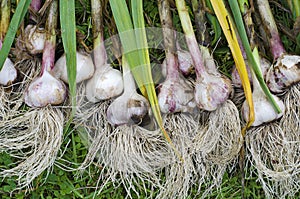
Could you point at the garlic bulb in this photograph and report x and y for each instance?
(105, 84)
(84, 69)
(236, 81)
(130, 107)
(211, 88)
(284, 73)
(8, 73)
(263, 109)
(45, 90)
(175, 94)
(211, 91)
(127, 109)
(35, 39)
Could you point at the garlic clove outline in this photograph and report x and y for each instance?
(35, 39)
(8, 73)
(105, 84)
(176, 95)
(84, 68)
(284, 73)
(263, 109)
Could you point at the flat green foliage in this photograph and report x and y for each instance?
(68, 34)
(15, 22)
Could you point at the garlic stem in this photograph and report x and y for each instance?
(285, 71)
(211, 89)
(267, 18)
(50, 43)
(200, 22)
(106, 82)
(168, 35)
(100, 56)
(35, 5)
(190, 38)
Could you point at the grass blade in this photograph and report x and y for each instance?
(215, 24)
(12, 29)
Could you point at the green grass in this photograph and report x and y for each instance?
(69, 184)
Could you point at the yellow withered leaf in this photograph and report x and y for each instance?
(227, 27)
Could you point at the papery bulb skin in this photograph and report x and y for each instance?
(8, 73)
(128, 109)
(106, 83)
(185, 63)
(84, 68)
(211, 91)
(264, 66)
(284, 73)
(45, 90)
(35, 39)
(176, 95)
(263, 109)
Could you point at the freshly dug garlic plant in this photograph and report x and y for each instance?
(84, 69)
(175, 94)
(45, 90)
(8, 73)
(284, 73)
(130, 107)
(263, 109)
(35, 39)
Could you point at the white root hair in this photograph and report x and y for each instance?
(130, 155)
(133, 156)
(291, 118)
(275, 155)
(181, 175)
(34, 139)
(225, 124)
(4, 103)
(218, 144)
